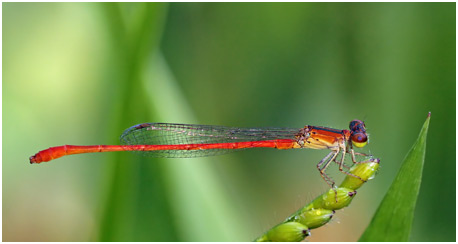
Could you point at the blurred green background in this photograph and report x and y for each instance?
(81, 73)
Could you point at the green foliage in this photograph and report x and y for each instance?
(394, 217)
(81, 73)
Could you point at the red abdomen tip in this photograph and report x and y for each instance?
(41, 156)
(35, 159)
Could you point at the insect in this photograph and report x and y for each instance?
(188, 141)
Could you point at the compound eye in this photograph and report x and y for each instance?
(359, 139)
(356, 124)
(353, 124)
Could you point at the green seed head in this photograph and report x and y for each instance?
(287, 232)
(365, 171)
(334, 199)
(315, 218)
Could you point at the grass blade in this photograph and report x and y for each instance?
(136, 207)
(394, 217)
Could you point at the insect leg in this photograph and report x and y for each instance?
(324, 163)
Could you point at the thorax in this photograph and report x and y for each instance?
(317, 137)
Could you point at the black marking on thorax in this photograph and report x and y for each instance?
(327, 129)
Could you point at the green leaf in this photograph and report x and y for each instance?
(394, 217)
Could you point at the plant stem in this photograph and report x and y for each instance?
(321, 210)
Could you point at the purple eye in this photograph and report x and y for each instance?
(359, 139)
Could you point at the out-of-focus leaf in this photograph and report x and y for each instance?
(136, 206)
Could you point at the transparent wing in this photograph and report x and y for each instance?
(180, 134)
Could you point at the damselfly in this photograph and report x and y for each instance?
(188, 141)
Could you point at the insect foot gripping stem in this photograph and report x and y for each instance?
(321, 210)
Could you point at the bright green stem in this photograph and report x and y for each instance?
(321, 210)
(394, 217)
